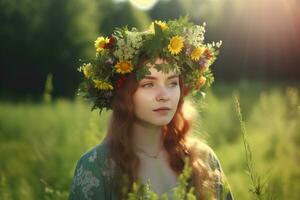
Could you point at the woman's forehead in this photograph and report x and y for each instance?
(157, 61)
(155, 74)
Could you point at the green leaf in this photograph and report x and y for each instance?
(189, 63)
(164, 67)
(155, 45)
(143, 71)
(209, 78)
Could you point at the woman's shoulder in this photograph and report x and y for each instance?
(203, 152)
(98, 158)
(206, 156)
(93, 172)
(95, 155)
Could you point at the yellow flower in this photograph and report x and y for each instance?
(163, 25)
(124, 67)
(197, 53)
(102, 85)
(100, 42)
(87, 70)
(175, 45)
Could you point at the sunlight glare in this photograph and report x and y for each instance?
(143, 4)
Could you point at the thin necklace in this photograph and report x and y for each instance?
(150, 156)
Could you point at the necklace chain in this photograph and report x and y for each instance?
(150, 156)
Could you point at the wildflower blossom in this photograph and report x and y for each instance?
(124, 67)
(126, 49)
(197, 53)
(175, 45)
(120, 82)
(112, 41)
(87, 70)
(195, 35)
(208, 54)
(163, 25)
(100, 43)
(102, 85)
(200, 82)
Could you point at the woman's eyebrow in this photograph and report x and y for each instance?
(154, 78)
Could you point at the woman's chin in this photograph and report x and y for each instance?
(162, 122)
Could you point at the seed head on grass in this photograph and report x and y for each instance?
(258, 187)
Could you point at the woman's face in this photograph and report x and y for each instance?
(157, 90)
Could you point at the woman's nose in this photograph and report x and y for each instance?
(162, 94)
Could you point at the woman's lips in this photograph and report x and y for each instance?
(162, 110)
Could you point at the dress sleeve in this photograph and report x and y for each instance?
(88, 183)
(222, 187)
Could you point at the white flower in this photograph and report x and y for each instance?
(218, 44)
(195, 35)
(121, 42)
(126, 50)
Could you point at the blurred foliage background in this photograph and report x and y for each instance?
(44, 127)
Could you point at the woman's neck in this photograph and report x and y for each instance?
(147, 137)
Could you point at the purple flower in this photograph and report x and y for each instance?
(203, 62)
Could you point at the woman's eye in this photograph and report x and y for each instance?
(174, 83)
(147, 84)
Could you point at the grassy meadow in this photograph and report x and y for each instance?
(40, 142)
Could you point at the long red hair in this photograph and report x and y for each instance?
(175, 140)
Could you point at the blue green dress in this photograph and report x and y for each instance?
(93, 177)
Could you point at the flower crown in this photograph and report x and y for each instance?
(179, 41)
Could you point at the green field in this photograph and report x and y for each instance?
(40, 142)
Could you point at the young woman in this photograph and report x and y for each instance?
(148, 138)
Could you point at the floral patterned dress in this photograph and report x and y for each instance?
(93, 177)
